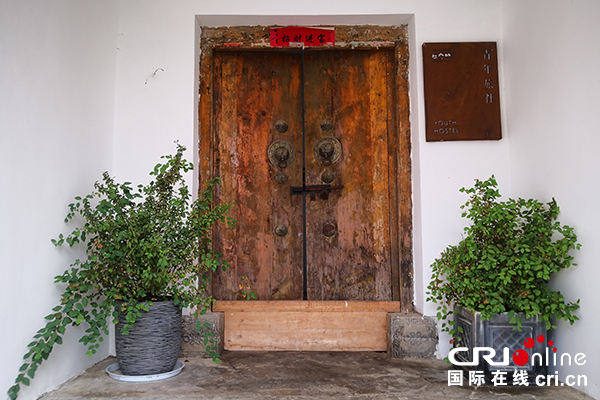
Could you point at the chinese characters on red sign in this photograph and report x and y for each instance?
(302, 37)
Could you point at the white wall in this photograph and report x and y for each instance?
(552, 79)
(59, 89)
(160, 34)
(56, 122)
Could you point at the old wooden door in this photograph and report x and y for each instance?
(305, 145)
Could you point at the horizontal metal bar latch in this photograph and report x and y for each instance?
(297, 190)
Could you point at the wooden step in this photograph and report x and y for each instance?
(306, 325)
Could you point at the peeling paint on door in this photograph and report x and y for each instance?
(343, 114)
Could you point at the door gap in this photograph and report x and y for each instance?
(304, 231)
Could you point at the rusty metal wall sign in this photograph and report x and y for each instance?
(462, 96)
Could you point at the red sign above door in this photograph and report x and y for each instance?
(299, 36)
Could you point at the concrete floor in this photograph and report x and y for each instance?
(292, 375)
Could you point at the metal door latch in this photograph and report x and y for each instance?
(324, 190)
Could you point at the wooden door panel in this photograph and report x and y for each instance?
(252, 92)
(352, 92)
(306, 325)
(348, 95)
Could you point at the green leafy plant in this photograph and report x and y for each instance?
(504, 261)
(144, 244)
(246, 290)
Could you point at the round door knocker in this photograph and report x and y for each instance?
(327, 176)
(328, 150)
(281, 230)
(329, 230)
(326, 125)
(281, 126)
(281, 153)
(280, 178)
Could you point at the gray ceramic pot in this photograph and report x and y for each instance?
(153, 343)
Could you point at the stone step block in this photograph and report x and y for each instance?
(411, 335)
(192, 341)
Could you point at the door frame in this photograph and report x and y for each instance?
(348, 37)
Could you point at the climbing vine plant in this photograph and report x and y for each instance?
(143, 244)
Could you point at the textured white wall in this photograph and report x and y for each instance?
(552, 58)
(56, 121)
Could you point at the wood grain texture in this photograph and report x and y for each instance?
(305, 341)
(404, 179)
(254, 90)
(399, 143)
(325, 306)
(352, 89)
(306, 325)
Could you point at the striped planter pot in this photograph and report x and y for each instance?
(153, 343)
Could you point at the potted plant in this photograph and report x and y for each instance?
(147, 248)
(496, 277)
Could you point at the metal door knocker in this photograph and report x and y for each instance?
(281, 126)
(329, 230)
(326, 125)
(327, 176)
(327, 150)
(280, 178)
(281, 153)
(281, 230)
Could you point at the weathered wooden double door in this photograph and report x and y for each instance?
(305, 145)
